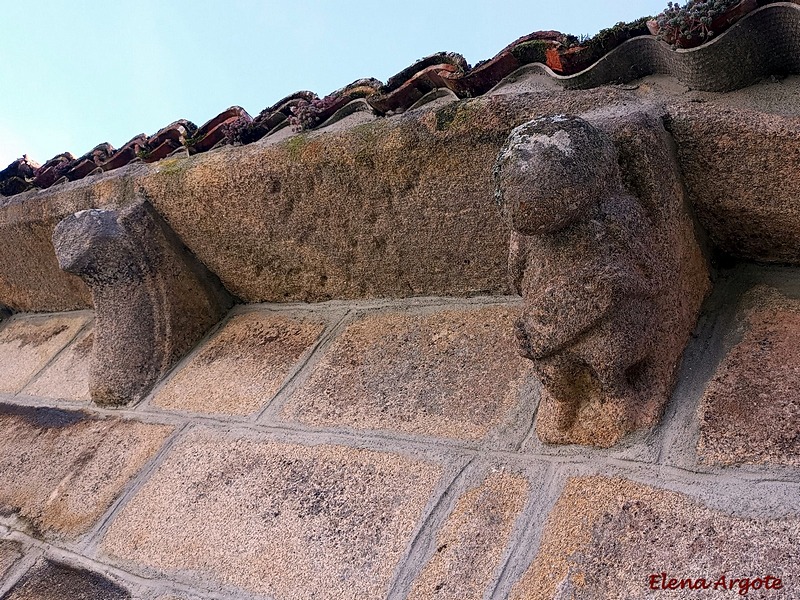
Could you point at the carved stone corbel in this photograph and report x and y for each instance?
(604, 253)
(153, 300)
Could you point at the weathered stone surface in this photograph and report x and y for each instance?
(451, 373)
(741, 167)
(67, 377)
(242, 366)
(750, 412)
(606, 537)
(10, 552)
(262, 217)
(49, 580)
(30, 278)
(277, 519)
(153, 300)
(472, 541)
(28, 343)
(60, 470)
(316, 216)
(608, 265)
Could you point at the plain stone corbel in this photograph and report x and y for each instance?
(153, 300)
(604, 252)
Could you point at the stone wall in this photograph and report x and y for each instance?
(388, 450)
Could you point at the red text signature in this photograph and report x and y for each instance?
(664, 581)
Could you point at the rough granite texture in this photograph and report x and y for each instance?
(605, 256)
(740, 167)
(28, 343)
(605, 537)
(242, 366)
(289, 521)
(67, 377)
(317, 215)
(451, 373)
(49, 580)
(60, 470)
(266, 507)
(30, 278)
(153, 301)
(762, 44)
(312, 217)
(750, 413)
(10, 552)
(470, 543)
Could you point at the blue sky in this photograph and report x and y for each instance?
(75, 74)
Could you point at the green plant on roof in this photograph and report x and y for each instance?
(530, 52)
(607, 39)
(192, 140)
(692, 21)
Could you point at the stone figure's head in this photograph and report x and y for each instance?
(551, 171)
(92, 244)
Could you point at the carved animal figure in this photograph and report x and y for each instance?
(582, 257)
(153, 300)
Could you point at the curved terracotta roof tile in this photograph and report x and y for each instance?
(352, 107)
(164, 149)
(361, 88)
(212, 132)
(269, 120)
(422, 82)
(234, 112)
(53, 170)
(90, 161)
(177, 131)
(130, 151)
(17, 177)
(284, 104)
(261, 126)
(308, 114)
(483, 77)
(81, 169)
(548, 35)
(168, 139)
(272, 116)
(440, 58)
(451, 71)
(22, 167)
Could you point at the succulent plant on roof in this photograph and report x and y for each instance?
(694, 21)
